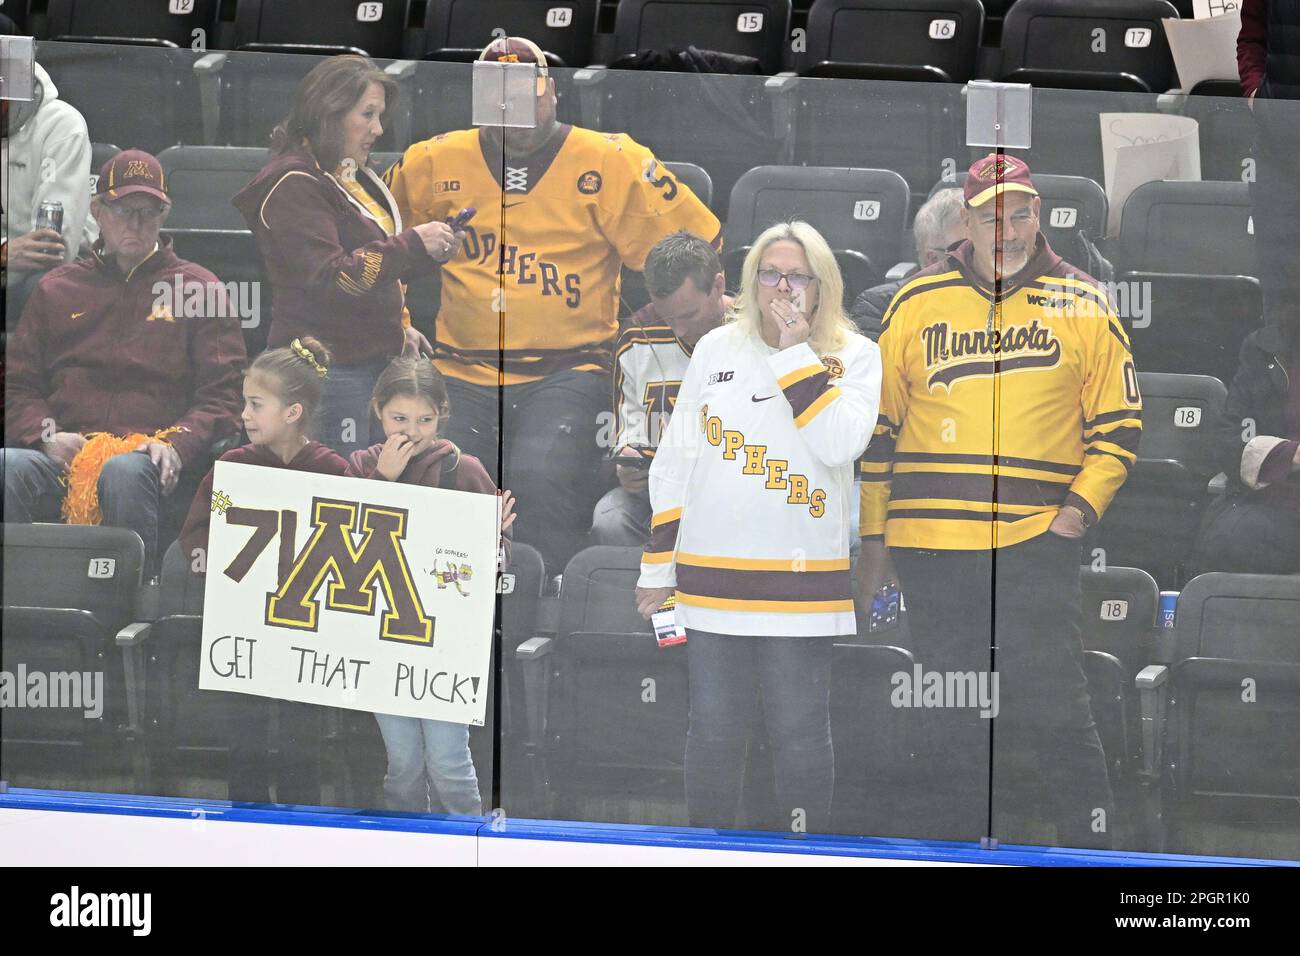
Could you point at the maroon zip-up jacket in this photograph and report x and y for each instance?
(334, 271)
(314, 457)
(94, 353)
(427, 468)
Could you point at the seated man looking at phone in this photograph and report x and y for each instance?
(684, 278)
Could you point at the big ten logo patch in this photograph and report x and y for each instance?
(718, 378)
(447, 186)
(350, 574)
(773, 472)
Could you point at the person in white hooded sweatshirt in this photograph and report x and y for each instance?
(44, 155)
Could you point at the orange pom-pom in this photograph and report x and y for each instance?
(81, 503)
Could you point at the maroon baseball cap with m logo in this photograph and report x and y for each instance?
(132, 171)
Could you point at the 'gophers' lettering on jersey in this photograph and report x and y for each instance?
(753, 461)
(951, 355)
(526, 267)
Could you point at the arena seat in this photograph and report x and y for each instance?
(756, 28)
(1153, 521)
(153, 22)
(1070, 205)
(97, 78)
(608, 706)
(935, 40)
(632, 291)
(246, 94)
(100, 153)
(1229, 705)
(916, 129)
(1119, 618)
(1226, 127)
(1188, 227)
(1088, 44)
(206, 228)
(322, 27)
(862, 214)
(189, 734)
(1189, 247)
(465, 26)
(68, 590)
(16, 10)
(721, 123)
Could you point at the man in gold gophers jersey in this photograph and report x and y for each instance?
(530, 303)
(1009, 417)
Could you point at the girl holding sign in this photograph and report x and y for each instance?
(429, 764)
(282, 397)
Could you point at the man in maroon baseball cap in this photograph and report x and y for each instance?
(1001, 215)
(108, 345)
(1009, 418)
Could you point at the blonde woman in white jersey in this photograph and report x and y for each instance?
(751, 490)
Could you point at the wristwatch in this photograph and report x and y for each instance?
(1083, 518)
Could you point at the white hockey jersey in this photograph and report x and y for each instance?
(751, 485)
(649, 365)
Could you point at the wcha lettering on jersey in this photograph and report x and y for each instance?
(76, 909)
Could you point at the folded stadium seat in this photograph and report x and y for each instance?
(68, 590)
(608, 706)
(98, 77)
(1071, 205)
(874, 742)
(912, 129)
(1119, 619)
(187, 732)
(459, 26)
(1227, 128)
(677, 106)
(154, 22)
(632, 292)
(256, 90)
(862, 214)
(163, 77)
(16, 10)
(100, 153)
(1088, 45)
(1153, 521)
(755, 28)
(1188, 250)
(1228, 701)
(929, 41)
(521, 599)
(205, 227)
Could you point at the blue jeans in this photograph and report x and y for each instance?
(792, 677)
(429, 766)
(346, 423)
(551, 455)
(129, 489)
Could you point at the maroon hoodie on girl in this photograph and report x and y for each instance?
(314, 457)
(463, 472)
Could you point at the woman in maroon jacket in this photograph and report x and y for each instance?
(332, 239)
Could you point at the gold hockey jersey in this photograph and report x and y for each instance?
(997, 410)
(536, 282)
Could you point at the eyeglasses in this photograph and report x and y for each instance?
(140, 217)
(797, 281)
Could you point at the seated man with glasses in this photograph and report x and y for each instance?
(124, 370)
